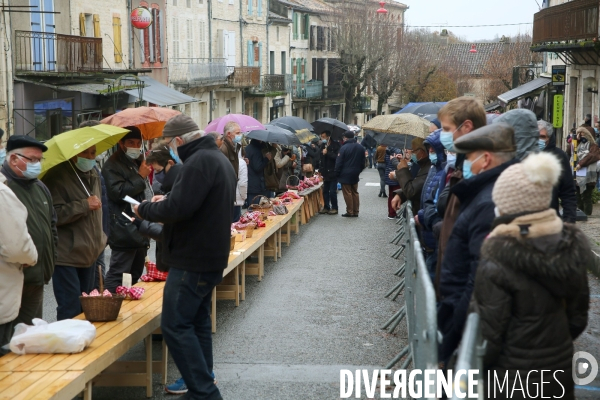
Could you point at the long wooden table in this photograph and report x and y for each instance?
(64, 376)
(313, 202)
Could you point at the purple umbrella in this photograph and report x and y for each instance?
(245, 122)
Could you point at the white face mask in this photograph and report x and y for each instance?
(133, 152)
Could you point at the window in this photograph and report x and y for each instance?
(283, 58)
(272, 62)
(175, 38)
(158, 34)
(175, 2)
(117, 39)
(259, 11)
(295, 18)
(227, 106)
(190, 39)
(277, 34)
(200, 1)
(305, 26)
(231, 2)
(250, 6)
(202, 28)
(255, 111)
(188, 3)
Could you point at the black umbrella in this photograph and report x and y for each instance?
(422, 109)
(290, 122)
(337, 128)
(274, 134)
(392, 140)
(303, 135)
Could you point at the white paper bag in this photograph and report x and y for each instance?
(67, 336)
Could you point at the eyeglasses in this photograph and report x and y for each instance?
(33, 160)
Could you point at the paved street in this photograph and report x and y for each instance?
(318, 309)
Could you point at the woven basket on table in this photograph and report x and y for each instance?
(250, 230)
(265, 208)
(100, 308)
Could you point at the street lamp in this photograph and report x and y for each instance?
(382, 10)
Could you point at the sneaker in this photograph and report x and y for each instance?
(332, 212)
(179, 387)
(324, 211)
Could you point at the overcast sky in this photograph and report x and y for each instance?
(473, 12)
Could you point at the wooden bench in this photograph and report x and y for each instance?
(97, 364)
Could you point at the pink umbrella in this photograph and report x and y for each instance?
(245, 122)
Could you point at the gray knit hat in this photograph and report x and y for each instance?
(179, 125)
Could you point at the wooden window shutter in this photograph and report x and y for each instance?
(250, 53)
(117, 39)
(96, 19)
(82, 24)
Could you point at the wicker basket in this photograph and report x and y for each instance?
(100, 308)
(250, 230)
(257, 207)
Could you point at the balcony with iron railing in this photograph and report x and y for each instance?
(333, 92)
(197, 72)
(244, 77)
(273, 84)
(575, 20)
(307, 90)
(53, 53)
(363, 104)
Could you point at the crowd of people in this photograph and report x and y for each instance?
(495, 206)
(494, 203)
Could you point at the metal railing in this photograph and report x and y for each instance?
(243, 77)
(362, 104)
(275, 83)
(55, 53)
(420, 303)
(307, 90)
(333, 92)
(470, 354)
(577, 19)
(195, 72)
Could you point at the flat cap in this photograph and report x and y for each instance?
(497, 138)
(179, 125)
(19, 141)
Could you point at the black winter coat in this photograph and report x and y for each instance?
(411, 188)
(256, 168)
(312, 155)
(350, 162)
(197, 213)
(565, 191)
(459, 264)
(122, 179)
(532, 296)
(369, 142)
(327, 163)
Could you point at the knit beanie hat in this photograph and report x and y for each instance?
(179, 125)
(526, 187)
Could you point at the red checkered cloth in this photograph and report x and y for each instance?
(133, 293)
(153, 274)
(96, 293)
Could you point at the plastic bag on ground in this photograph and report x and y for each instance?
(67, 336)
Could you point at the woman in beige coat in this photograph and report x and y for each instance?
(16, 251)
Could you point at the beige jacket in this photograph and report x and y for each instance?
(16, 249)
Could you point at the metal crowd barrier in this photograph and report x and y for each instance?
(419, 295)
(470, 354)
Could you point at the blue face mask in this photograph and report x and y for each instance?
(174, 156)
(2, 156)
(433, 158)
(32, 171)
(447, 140)
(541, 144)
(237, 139)
(451, 158)
(84, 164)
(324, 140)
(467, 173)
(413, 158)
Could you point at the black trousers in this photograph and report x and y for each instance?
(124, 261)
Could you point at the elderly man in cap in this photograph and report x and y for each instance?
(411, 188)
(21, 169)
(196, 216)
(488, 152)
(349, 164)
(232, 142)
(125, 174)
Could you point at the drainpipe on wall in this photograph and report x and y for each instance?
(130, 31)
(242, 51)
(8, 76)
(211, 94)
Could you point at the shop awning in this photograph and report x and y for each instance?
(159, 94)
(523, 90)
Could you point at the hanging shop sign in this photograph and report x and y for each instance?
(141, 18)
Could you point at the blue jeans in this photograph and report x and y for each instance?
(186, 328)
(330, 195)
(68, 283)
(371, 152)
(237, 213)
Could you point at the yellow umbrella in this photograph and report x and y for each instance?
(67, 145)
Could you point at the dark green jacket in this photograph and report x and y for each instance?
(41, 224)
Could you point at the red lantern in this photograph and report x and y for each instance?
(382, 10)
(141, 18)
